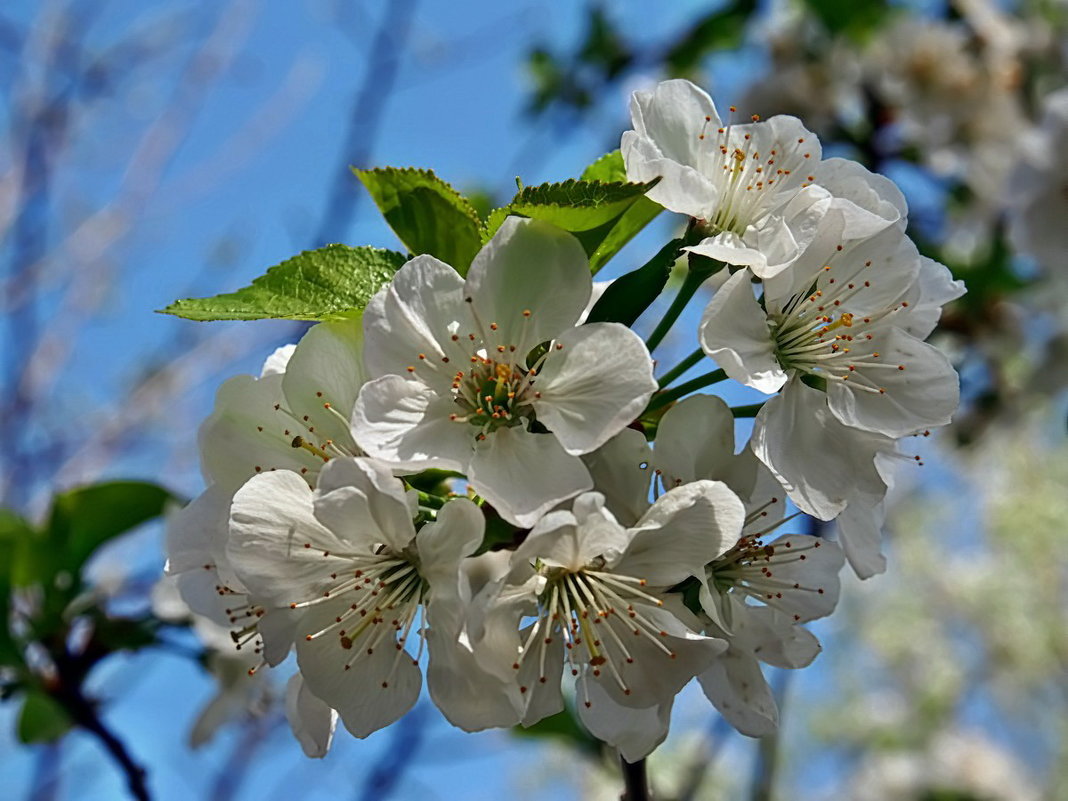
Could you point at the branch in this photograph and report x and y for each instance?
(367, 110)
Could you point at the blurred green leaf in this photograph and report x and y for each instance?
(722, 29)
(84, 519)
(629, 295)
(592, 210)
(603, 47)
(42, 719)
(854, 17)
(563, 726)
(426, 214)
(332, 283)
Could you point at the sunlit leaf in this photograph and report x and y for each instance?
(595, 211)
(426, 214)
(332, 283)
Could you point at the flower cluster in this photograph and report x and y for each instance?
(475, 482)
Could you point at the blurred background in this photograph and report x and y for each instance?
(156, 150)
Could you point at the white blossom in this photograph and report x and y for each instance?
(841, 313)
(758, 189)
(491, 377)
(347, 557)
(595, 591)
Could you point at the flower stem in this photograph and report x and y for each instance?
(681, 367)
(430, 501)
(699, 269)
(747, 411)
(690, 285)
(635, 781)
(665, 397)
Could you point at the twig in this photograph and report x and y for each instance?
(635, 781)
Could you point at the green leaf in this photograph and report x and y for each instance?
(609, 168)
(722, 29)
(620, 232)
(564, 726)
(631, 294)
(595, 211)
(14, 534)
(332, 283)
(84, 519)
(426, 214)
(27, 553)
(42, 719)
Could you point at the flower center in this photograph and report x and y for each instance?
(376, 597)
(750, 568)
(592, 612)
(492, 394)
(816, 334)
(746, 177)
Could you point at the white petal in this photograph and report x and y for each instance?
(456, 533)
(197, 532)
(376, 501)
(327, 367)
(870, 201)
(674, 114)
(597, 379)
(376, 689)
(921, 388)
(860, 535)
(660, 669)
(682, 532)
(634, 732)
(278, 630)
(270, 521)
(731, 248)
(468, 696)
(774, 638)
(695, 439)
(543, 696)
(525, 475)
(418, 312)
(276, 363)
(681, 189)
(809, 567)
(621, 472)
(820, 461)
(311, 720)
(573, 540)
(937, 288)
(528, 266)
(246, 434)
(734, 331)
(737, 688)
(406, 424)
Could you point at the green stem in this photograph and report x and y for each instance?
(681, 367)
(690, 284)
(747, 411)
(665, 397)
(430, 501)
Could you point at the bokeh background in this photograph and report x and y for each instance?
(156, 150)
